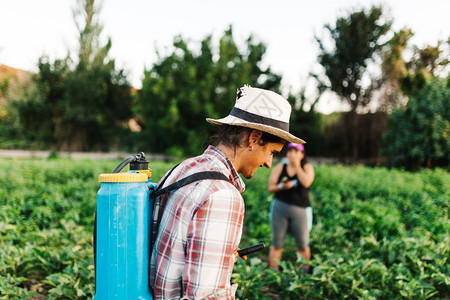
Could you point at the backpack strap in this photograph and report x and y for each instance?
(189, 179)
(152, 188)
(159, 203)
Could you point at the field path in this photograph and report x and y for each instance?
(76, 155)
(121, 155)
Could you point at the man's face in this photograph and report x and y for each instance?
(261, 156)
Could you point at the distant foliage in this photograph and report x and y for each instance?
(308, 126)
(185, 87)
(419, 136)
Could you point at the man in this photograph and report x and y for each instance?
(201, 227)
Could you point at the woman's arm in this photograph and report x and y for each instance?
(305, 175)
(274, 175)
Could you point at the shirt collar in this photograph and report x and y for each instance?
(235, 178)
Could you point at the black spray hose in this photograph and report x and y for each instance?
(127, 161)
(251, 249)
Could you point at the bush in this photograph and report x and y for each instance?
(419, 135)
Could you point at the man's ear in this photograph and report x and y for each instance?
(254, 137)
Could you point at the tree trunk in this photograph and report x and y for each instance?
(429, 163)
(355, 139)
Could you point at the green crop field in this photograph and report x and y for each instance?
(377, 233)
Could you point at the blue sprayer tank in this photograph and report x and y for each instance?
(123, 228)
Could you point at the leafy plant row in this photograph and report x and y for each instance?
(377, 233)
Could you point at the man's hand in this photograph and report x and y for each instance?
(237, 255)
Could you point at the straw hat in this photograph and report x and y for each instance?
(262, 110)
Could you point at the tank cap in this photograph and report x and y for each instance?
(123, 177)
(140, 163)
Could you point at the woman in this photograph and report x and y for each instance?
(201, 224)
(291, 208)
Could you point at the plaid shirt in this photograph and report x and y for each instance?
(199, 233)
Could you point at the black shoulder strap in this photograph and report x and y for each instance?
(189, 179)
(165, 178)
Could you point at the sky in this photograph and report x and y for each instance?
(137, 28)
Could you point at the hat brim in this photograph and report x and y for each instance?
(231, 120)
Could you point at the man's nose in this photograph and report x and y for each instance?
(268, 163)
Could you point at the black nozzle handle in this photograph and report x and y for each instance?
(251, 249)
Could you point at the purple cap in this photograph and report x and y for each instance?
(296, 146)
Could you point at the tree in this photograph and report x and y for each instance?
(402, 78)
(419, 135)
(184, 88)
(425, 64)
(81, 106)
(355, 43)
(39, 108)
(394, 69)
(97, 100)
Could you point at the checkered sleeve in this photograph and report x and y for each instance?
(213, 238)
